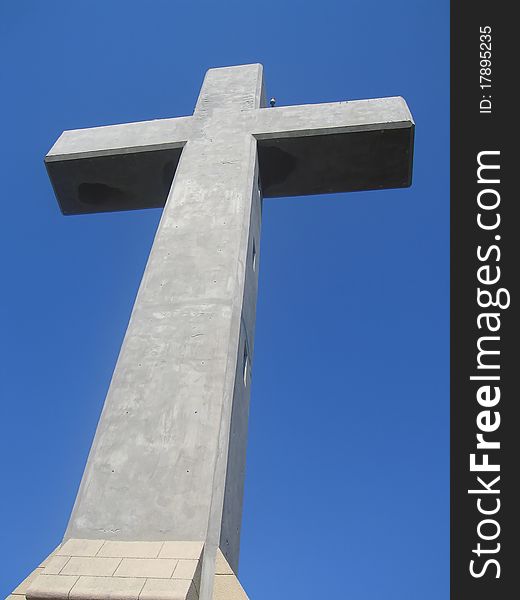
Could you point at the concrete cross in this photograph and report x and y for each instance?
(168, 459)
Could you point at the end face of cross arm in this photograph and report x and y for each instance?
(335, 147)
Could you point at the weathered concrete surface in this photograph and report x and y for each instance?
(312, 149)
(166, 462)
(168, 458)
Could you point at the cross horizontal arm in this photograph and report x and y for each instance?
(333, 117)
(118, 166)
(158, 134)
(336, 147)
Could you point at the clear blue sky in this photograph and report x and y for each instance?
(347, 482)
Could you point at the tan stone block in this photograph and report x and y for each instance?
(107, 588)
(188, 550)
(131, 549)
(227, 587)
(95, 566)
(75, 547)
(221, 565)
(46, 560)
(53, 587)
(146, 567)
(186, 569)
(55, 564)
(22, 587)
(168, 589)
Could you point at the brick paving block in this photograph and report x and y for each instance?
(146, 567)
(189, 550)
(221, 565)
(51, 587)
(186, 569)
(107, 588)
(55, 564)
(131, 549)
(227, 587)
(22, 587)
(95, 566)
(167, 589)
(75, 547)
(46, 560)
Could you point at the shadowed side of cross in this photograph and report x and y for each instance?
(168, 459)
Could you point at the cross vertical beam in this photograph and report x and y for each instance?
(167, 462)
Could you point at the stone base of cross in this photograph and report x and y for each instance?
(158, 512)
(89, 569)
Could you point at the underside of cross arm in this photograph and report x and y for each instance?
(336, 147)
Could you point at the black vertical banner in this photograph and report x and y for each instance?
(485, 267)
